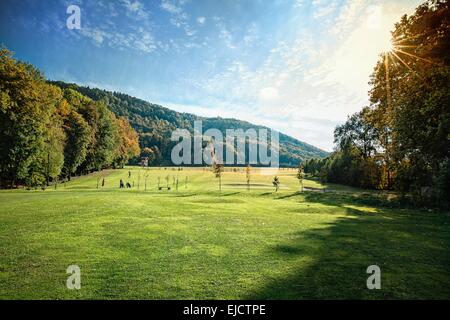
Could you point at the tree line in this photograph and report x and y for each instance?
(49, 134)
(401, 141)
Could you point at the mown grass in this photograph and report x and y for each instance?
(197, 243)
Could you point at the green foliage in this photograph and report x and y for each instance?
(78, 139)
(357, 133)
(53, 151)
(27, 117)
(217, 169)
(46, 132)
(128, 143)
(106, 138)
(402, 141)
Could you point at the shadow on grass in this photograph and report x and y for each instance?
(290, 195)
(230, 194)
(185, 195)
(412, 250)
(245, 185)
(339, 198)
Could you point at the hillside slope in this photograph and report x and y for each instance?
(155, 124)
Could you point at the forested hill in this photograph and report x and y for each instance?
(155, 124)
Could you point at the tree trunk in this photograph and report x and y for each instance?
(48, 169)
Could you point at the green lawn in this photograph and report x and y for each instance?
(197, 243)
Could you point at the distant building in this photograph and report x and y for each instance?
(144, 162)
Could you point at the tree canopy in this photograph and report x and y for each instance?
(402, 140)
(48, 133)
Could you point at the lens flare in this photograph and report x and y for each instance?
(387, 46)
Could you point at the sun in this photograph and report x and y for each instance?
(387, 46)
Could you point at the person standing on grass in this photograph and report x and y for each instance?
(276, 183)
(129, 174)
(121, 184)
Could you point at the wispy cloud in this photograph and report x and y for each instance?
(224, 33)
(347, 16)
(324, 8)
(96, 35)
(251, 35)
(304, 86)
(179, 18)
(201, 20)
(171, 7)
(299, 3)
(140, 40)
(135, 9)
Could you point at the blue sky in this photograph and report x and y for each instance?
(299, 66)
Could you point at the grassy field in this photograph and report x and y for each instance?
(197, 243)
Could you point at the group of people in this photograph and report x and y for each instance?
(122, 184)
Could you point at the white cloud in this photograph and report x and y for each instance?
(95, 34)
(179, 18)
(252, 34)
(201, 20)
(224, 33)
(170, 7)
(347, 16)
(322, 10)
(306, 87)
(133, 6)
(145, 41)
(298, 3)
(268, 94)
(140, 40)
(135, 9)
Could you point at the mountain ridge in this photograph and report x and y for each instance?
(154, 123)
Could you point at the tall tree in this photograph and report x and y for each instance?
(128, 144)
(78, 139)
(358, 132)
(26, 129)
(410, 97)
(248, 173)
(276, 183)
(217, 169)
(300, 175)
(107, 137)
(402, 140)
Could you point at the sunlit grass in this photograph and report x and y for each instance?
(202, 244)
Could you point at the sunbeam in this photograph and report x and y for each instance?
(388, 82)
(403, 62)
(387, 46)
(409, 68)
(415, 56)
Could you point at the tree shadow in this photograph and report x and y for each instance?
(185, 195)
(230, 194)
(411, 248)
(298, 193)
